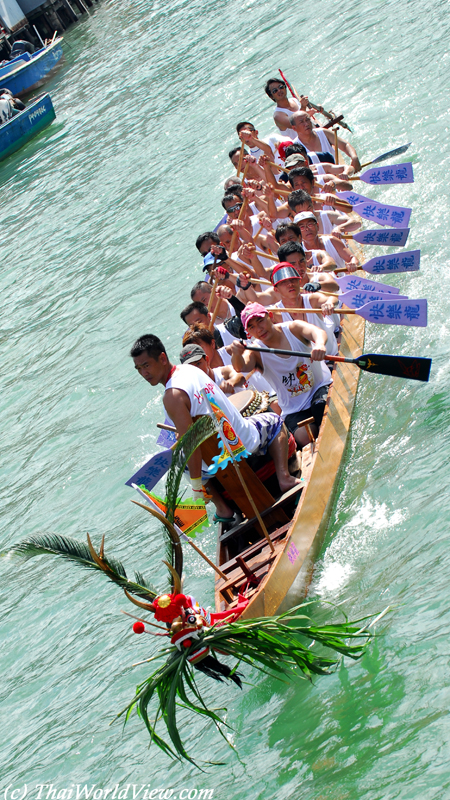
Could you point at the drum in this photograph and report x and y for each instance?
(250, 402)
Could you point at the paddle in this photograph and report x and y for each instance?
(389, 237)
(396, 262)
(393, 173)
(386, 312)
(415, 369)
(390, 154)
(395, 216)
(355, 298)
(349, 282)
(152, 471)
(321, 110)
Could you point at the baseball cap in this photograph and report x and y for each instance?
(305, 215)
(283, 272)
(294, 160)
(250, 311)
(191, 353)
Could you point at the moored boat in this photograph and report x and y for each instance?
(25, 125)
(28, 72)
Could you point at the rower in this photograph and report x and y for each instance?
(224, 332)
(220, 360)
(254, 171)
(230, 305)
(313, 243)
(295, 254)
(183, 402)
(285, 106)
(320, 139)
(330, 221)
(205, 241)
(249, 134)
(301, 383)
(226, 377)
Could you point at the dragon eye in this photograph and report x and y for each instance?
(191, 618)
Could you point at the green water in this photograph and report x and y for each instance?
(99, 218)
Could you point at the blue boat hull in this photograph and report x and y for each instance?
(24, 126)
(33, 73)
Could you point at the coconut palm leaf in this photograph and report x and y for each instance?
(82, 554)
(201, 430)
(277, 646)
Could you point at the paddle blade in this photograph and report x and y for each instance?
(152, 471)
(390, 237)
(390, 154)
(395, 216)
(416, 369)
(355, 298)
(396, 262)
(394, 173)
(396, 312)
(353, 198)
(349, 282)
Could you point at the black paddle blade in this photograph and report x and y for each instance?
(415, 369)
(397, 152)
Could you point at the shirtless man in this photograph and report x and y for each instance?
(313, 243)
(301, 383)
(184, 402)
(320, 139)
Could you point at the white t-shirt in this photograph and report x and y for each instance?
(192, 381)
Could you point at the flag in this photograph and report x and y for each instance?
(230, 444)
(190, 515)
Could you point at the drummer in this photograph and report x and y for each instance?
(300, 381)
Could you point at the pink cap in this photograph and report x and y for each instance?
(252, 310)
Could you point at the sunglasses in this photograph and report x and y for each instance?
(234, 208)
(278, 89)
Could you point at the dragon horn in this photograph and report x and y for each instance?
(147, 606)
(99, 559)
(175, 576)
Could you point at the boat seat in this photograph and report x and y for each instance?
(242, 527)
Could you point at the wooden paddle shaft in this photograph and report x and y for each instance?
(214, 315)
(266, 255)
(241, 156)
(336, 146)
(235, 233)
(213, 292)
(277, 310)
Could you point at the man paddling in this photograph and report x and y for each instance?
(314, 243)
(184, 402)
(301, 383)
(320, 139)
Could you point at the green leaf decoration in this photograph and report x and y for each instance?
(79, 552)
(201, 430)
(277, 646)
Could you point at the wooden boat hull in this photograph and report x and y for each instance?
(25, 125)
(291, 565)
(27, 76)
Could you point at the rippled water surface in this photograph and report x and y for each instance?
(99, 218)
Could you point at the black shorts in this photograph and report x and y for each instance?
(316, 410)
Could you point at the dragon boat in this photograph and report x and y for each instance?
(276, 575)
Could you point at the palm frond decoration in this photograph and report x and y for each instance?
(174, 551)
(277, 646)
(84, 555)
(201, 430)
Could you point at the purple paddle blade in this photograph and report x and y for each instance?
(396, 262)
(349, 282)
(353, 198)
(393, 236)
(152, 471)
(356, 299)
(396, 312)
(393, 173)
(395, 216)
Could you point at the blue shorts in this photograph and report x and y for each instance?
(268, 426)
